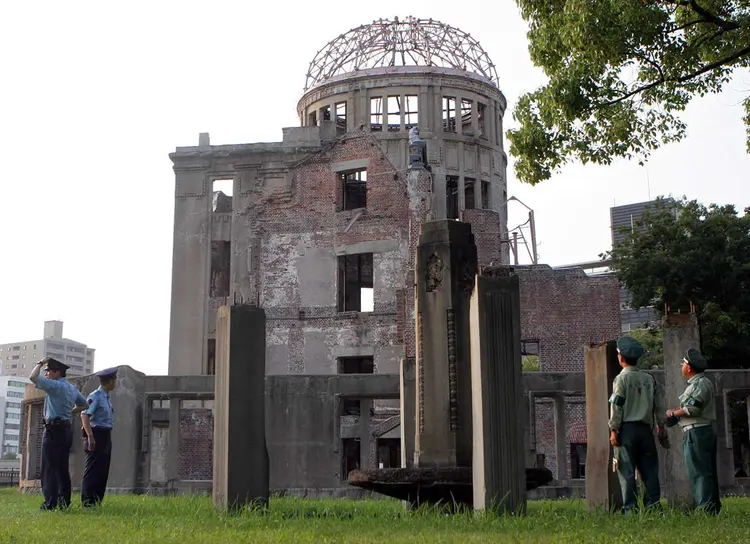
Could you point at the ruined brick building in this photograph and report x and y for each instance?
(321, 228)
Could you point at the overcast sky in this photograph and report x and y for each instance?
(94, 96)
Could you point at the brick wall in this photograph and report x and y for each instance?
(299, 231)
(485, 225)
(565, 310)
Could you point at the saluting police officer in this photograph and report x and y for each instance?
(58, 430)
(696, 415)
(636, 404)
(97, 444)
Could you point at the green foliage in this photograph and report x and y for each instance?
(10, 456)
(530, 363)
(651, 340)
(184, 520)
(684, 252)
(620, 71)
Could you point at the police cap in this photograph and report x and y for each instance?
(695, 359)
(108, 373)
(630, 348)
(54, 364)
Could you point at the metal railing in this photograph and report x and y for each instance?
(9, 477)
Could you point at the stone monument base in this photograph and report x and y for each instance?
(446, 486)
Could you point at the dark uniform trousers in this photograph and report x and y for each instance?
(56, 444)
(638, 451)
(96, 470)
(700, 449)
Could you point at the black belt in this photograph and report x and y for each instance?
(636, 423)
(56, 422)
(101, 428)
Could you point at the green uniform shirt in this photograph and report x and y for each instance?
(699, 401)
(636, 397)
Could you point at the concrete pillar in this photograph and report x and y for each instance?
(408, 387)
(365, 436)
(241, 473)
(446, 266)
(498, 469)
(680, 333)
(561, 437)
(602, 485)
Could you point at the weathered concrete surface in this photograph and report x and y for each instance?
(680, 332)
(498, 452)
(408, 410)
(602, 485)
(240, 457)
(446, 266)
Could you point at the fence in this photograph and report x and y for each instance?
(9, 478)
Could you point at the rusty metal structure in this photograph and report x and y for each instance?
(407, 42)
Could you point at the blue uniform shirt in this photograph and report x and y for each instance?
(62, 396)
(100, 409)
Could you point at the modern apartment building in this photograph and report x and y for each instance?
(11, 396)
(18, 358)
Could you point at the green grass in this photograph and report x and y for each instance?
(193, 519)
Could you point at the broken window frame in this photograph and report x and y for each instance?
(350, 289)
(451, 197)
(340, 111)
(531, 348)
(470, 187)
(392, 447)
(353, 189)
(225, 186)
(578, 450)
(376, 114)
(219, 274)
(466, 106)
(449, 114)
(312, 119)
(485, 196)
(481, 116)
(411, 111)
(390, 115)
(325, 113)
(354, 365)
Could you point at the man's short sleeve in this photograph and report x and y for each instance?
(45, 384)
(619, 392)
(697, 399)
(93, 403)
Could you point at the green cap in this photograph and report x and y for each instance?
(696, 360)
(630, 348)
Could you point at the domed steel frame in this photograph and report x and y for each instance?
(411, 42)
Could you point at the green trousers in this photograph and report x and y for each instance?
(699, 446)
(638, 451)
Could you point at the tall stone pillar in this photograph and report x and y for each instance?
(602, 485)
(408, 410)
(680, 332)
(446, 266)
(241, 473)
(498, 472)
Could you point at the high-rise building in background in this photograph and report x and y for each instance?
(628, 216)
(11, 396)
(18, 358)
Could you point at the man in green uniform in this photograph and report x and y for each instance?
(696, 415)
(635, 405)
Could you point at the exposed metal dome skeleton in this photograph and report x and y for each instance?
(411, 42)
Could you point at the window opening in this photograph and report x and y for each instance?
(485, 195)
(411, 115)
(451, 197)
(449, 114)
(355, 283)
(376, 114)
(466, 115)
(394, 113)
(468, 194)
(354, 189)
(341, 115)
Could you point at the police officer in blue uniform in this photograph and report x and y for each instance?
(97, 443)
(59, 404)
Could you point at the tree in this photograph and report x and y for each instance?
(683, 252)
(619, 73)
(651, 339)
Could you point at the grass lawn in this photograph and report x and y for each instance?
(126, 518)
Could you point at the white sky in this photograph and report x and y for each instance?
(94, 96)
